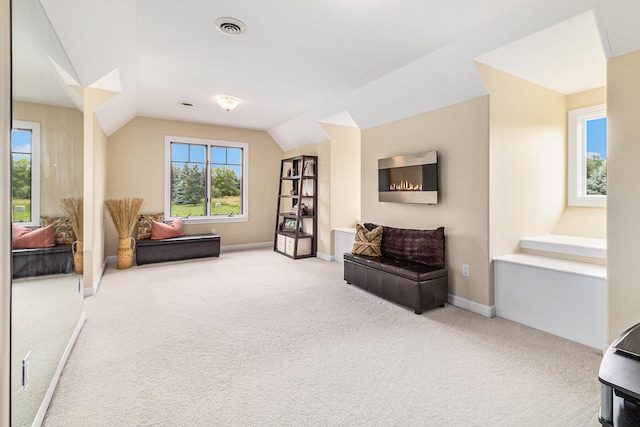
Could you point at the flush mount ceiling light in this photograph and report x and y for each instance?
(231, 26)
(228, 102)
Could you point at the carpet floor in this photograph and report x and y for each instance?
(256, 339)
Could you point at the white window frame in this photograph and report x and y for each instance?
(34, 127)
(577, 176)
(168, 139)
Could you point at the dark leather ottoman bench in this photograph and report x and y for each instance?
(42, 261)
(177, 248)
(407, 283)
(410, 272)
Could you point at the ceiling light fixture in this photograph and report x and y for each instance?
(228, 102)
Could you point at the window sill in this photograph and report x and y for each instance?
(568, 245)
(588, 202)
(214, 220)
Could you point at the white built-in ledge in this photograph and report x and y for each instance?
(570, 245)
(556, 264)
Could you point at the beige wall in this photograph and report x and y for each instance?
(345, 175)
(95, 185)
(577, 220)
(587, 98)
(583, 222)
(623, 198)
(323, 170)
(61, 147)
(528, 159)
(135, 168)
(460, 134)
(95, 141)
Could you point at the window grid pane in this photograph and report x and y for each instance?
(226, 181)
(188, 180)
(21, 148)
(596, 157)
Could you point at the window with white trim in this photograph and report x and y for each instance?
(25, 172)
(588, 156)
(206, 180)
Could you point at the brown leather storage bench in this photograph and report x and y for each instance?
(177, 248)
(411, 271)
(42, 261)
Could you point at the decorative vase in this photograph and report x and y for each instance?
(78, 255)
(125, 252)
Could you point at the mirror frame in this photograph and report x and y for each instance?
(5, 214)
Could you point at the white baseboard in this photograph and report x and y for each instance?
(89, 292)
(325, 257)
(231, 248)
(56, 376)
(472, 306)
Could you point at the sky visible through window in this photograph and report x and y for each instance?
(21, 143)
(597, 138)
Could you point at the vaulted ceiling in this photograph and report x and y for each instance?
(357, 62)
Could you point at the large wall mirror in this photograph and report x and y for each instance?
(47, 171)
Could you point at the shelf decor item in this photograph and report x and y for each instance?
(124, 214)
(73, 208)
(289, 224)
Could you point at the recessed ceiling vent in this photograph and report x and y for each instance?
(231, 26)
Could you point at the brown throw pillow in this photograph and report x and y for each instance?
(367, 242)
(143, 227)
(62, 227)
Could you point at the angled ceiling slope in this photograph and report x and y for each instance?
(301, 62)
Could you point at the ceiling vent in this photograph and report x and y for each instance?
(231, 26)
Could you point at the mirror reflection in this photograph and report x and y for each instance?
(47, 186)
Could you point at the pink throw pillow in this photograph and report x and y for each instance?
(161, 230)
(26, 238)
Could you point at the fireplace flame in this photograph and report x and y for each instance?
(405, 186)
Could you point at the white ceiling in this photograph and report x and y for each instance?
(352, 62)
(567, 57)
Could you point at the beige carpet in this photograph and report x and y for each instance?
(256, 339)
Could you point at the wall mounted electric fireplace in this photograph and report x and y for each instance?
(409, 179)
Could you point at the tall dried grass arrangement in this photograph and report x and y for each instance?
(124, 214)
(73, 208)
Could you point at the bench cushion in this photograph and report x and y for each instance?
(409, 269)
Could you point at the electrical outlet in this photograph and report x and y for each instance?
(26, 371)
(465, 270)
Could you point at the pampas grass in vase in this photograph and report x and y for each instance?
(124, 213)
(73, 208)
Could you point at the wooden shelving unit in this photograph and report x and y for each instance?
(296, 219)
